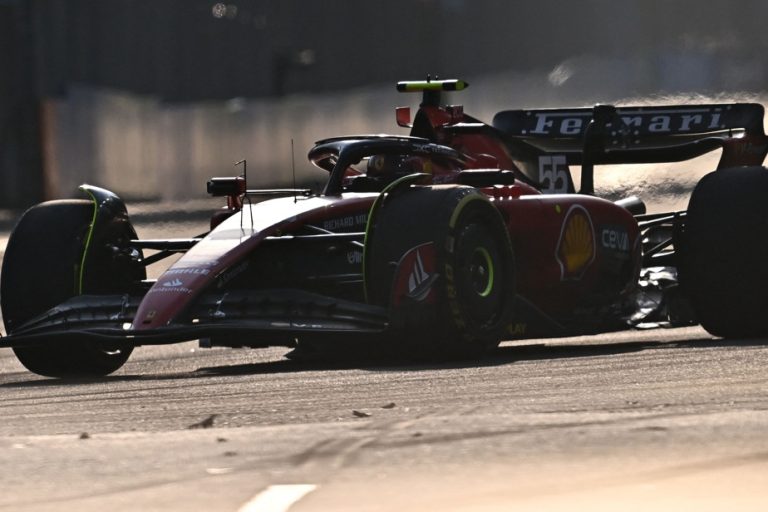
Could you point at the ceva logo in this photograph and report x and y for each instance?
(615, 238)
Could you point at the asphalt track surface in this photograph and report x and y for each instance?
(665, 419)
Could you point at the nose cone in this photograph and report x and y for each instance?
(169, 295)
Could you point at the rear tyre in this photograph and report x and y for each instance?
(724, 252)
(470, 301)
(41, 269)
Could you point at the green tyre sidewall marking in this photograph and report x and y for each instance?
(87, 245)
(487, 258)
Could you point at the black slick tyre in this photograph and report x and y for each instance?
(473, 279)
(724, 252)
(41, 269)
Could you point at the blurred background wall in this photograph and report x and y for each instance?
(150, 98)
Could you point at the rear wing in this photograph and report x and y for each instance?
(607, 134)
(635, 134)
(535, 140)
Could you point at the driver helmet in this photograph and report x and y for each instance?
(393, 164)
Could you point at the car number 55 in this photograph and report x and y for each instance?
(553, 174)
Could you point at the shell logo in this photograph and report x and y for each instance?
(576, 247)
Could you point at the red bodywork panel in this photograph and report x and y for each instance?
(229, 244)
(571, 250)
(478, 141)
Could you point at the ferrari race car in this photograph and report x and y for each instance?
(438, 244)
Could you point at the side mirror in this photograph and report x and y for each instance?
(228, 186)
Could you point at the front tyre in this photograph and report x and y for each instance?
(41, 269)
(441, 259)
(73, 361)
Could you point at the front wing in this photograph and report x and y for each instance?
(256, 318)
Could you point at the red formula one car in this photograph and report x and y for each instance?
(439, 244)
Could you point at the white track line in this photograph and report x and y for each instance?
(277, 498)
